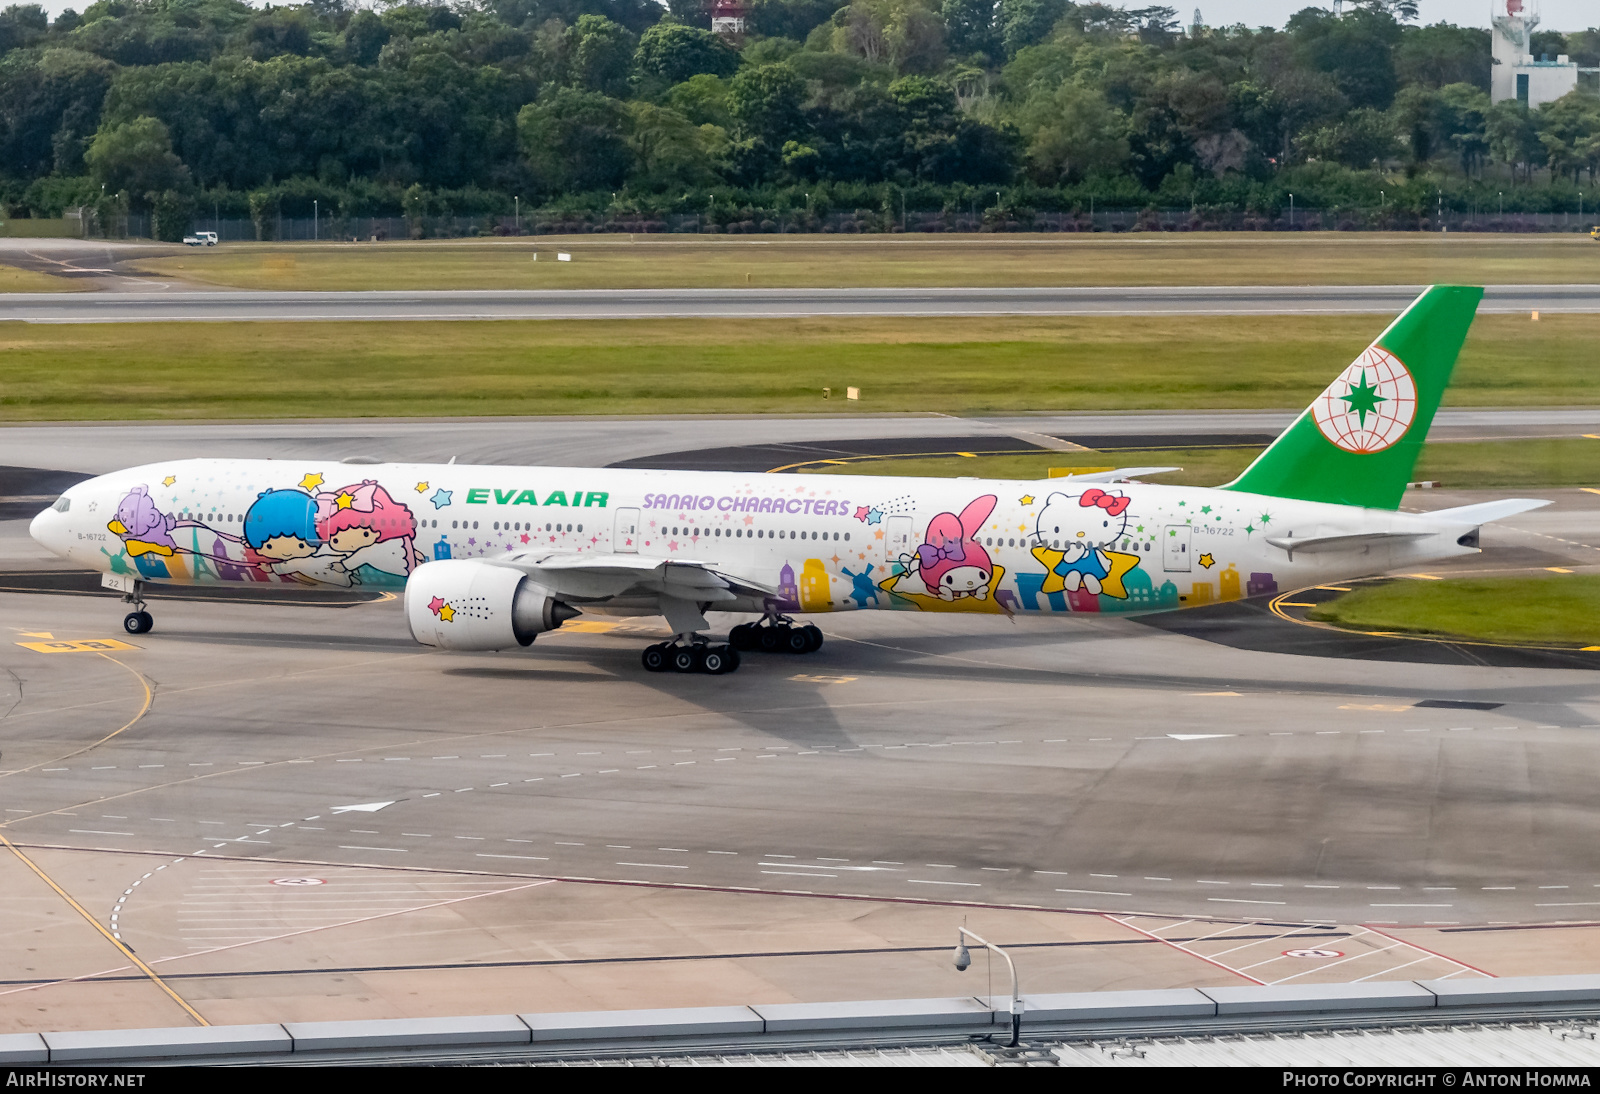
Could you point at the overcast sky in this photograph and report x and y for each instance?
(1557, 14)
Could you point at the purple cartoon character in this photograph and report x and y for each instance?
(142, 527)
(952, 563)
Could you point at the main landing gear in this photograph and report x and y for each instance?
(137, 621)
(776, 634)
(695, 656)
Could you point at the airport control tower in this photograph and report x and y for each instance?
(1517, 73)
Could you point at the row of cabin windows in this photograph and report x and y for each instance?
(750, 533)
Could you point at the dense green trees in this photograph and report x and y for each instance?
(167, 105)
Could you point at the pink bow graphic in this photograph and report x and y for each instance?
(1111, 503)
(361, 499)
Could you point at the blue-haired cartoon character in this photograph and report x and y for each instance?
(281, 528)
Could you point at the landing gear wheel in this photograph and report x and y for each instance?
(654, 658)
(772, 639)
(798, 640)
(739, 638)
(686, 659)
(814, 635)
(138, 622)
(717, 660)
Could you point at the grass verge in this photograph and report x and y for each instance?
(1559, 610)
(774, 366)
(1246, 258)
(15, 280)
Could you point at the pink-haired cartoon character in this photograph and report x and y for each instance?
(373, 532)
(952, 563)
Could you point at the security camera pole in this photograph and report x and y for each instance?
(963, 960)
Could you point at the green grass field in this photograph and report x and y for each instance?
(680, 261)
(1561, 461)
(778, 366)
(15, 280)
(1561, 610)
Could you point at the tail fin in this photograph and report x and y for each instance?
(1358, 442)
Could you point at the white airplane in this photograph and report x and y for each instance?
(491, 557)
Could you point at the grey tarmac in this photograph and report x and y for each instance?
(175, 303)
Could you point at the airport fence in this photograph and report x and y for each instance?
(857, 222)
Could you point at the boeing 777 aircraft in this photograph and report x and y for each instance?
(491, 557)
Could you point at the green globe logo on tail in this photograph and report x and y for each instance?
(1370, 406)
(1358, 442)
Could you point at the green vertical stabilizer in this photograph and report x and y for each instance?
(1358, 443)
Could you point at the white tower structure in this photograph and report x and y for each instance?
(1517, 73)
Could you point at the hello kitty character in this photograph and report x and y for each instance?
(1082, 526)
(952, 563)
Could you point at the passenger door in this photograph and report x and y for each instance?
(1175, 548)
(625, 541)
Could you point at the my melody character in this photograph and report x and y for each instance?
(952, 563)
(371, 532)
(280, 528)
(1082, 526)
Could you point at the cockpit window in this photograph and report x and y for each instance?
(63, 503)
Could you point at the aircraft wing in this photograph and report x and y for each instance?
(602, 576)
(1118, 474)
(1341, 542)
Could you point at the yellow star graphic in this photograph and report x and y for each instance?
(345, 500)
(311, 481)
(447, 613)
(422, 488)
(169, 480)
(1207, 561)
(1026, 499)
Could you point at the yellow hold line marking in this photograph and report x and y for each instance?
(968, 455)
(144, 708)
(107, 935)
(82, 645)
(1295, 604)
(1558, 569)
(1424, 577)
(1589, 490)
(1335, 588)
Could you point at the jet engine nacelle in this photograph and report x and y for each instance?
(463, 604)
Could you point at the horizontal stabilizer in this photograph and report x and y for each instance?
(1486, 511)
(1120, 474)
(1318, 544)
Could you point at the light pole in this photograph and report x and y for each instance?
(516, 206)
(316, 217)
(1502, 203)
(1291, 210)
(963, 959)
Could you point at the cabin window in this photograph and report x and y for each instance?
(847, 537)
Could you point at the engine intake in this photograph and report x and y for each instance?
(464, 604)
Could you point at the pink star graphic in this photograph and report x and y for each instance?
(673, 546)
(525, 537)
(435, 604)
(749, 520)
(861, 513)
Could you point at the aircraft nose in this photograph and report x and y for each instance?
(40, 527)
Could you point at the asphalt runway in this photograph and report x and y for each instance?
(289, 807)
(174, 303)
(95, 448)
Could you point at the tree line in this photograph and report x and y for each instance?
(176, 106)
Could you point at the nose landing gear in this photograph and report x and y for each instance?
(776, 634)
(137, 621)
